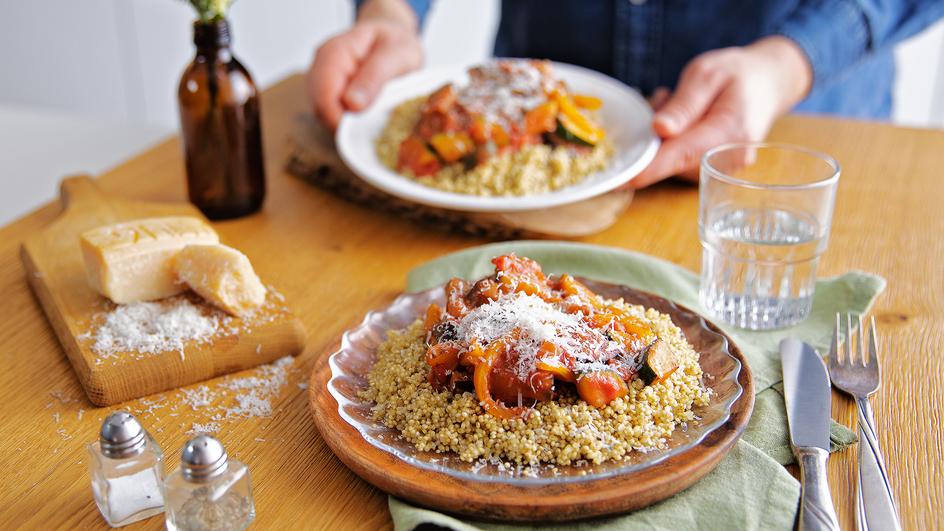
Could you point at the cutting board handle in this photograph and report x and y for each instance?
(79, 190)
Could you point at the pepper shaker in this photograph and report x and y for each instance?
(209, 491)
(127, 471)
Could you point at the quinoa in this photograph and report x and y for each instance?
(531, 170)
(562, 431)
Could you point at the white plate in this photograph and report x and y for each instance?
(626, 117)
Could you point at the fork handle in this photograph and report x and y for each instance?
(816, 505)
(879, 505)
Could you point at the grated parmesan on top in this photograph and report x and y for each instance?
(537, 321)
(502, 91)
(153, 327)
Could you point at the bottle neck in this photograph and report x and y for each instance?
(212, 38)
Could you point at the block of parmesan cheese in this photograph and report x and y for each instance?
(133, 261)
(221, 275)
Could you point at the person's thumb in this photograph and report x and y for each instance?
(699, 85)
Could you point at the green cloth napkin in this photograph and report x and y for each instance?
(749, 489)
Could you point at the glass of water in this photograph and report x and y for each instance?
(764, 216)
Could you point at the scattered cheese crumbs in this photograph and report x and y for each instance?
(302, 385)
(275, 293)
(197, 397)
(209, 427)
(151, 405)
(230, 397)
(79, 414)
(62, 397)
(254, 402)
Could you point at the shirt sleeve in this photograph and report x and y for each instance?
(836, 34)
(420, 7)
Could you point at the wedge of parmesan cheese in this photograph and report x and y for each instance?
(133, 261)
(221, 275)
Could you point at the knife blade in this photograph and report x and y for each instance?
(806, 390)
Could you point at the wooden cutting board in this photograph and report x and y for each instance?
(56, 273)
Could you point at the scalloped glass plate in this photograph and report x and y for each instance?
(353, 361)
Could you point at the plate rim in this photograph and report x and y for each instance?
(405, 188)
(593, 497)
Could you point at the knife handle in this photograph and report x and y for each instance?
(816, 504)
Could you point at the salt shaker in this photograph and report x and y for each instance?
(127, 471)
(209, 491)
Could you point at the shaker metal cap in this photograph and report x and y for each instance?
(121, 436)
(203, 458)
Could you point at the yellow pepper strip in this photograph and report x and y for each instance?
(559, 371)
(578, 124)
(591, 103)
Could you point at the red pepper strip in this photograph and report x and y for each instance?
(443, 353)
(455, 298)
(482, 392)
(433, 315)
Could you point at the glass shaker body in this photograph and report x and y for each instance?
(221, 503)
(127, 489)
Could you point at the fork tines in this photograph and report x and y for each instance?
(847, 355)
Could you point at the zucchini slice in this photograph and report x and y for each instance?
(573, 126)
(658, 363)
(566, 135)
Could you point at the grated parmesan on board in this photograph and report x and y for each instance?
(154, 327)
(137, 330)
(537, 321)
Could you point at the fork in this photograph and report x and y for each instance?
(857, 372)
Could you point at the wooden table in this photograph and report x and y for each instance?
(334, 261)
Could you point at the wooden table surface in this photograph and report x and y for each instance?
(335, 261)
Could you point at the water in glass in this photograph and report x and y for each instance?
(759, 265)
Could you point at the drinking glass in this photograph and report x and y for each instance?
(764, 216)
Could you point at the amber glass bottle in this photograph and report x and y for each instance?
(219, 118)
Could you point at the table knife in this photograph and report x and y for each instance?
(807, 394)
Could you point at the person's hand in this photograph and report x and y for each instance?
(727, 95)
(349, 69)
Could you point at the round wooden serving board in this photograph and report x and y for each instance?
(497, 500)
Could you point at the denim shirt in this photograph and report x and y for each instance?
(647, 43)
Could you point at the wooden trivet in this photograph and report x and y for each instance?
(313, 158)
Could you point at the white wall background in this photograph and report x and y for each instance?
(85, 84)
(121, 59)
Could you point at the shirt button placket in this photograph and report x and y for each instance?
(621, 42)
(641, 22)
